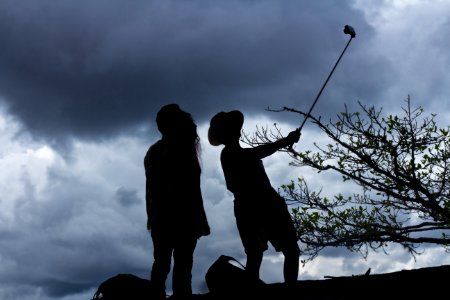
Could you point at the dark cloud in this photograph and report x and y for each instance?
(65, 229)
(102, 67)
(127, 197)
(94, 69)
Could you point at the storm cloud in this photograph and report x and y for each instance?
(80, 85)
(103, 67)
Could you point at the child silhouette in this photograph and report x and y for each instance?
(261, 213)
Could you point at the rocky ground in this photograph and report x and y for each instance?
(424, 284)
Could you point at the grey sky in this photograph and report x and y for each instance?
(103, 67)
(80, 85)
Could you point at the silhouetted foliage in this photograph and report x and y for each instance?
(401, 164)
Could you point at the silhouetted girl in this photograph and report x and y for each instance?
(176, 216)
(261, 213)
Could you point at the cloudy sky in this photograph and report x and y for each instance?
(80, 85)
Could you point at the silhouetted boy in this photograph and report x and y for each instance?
(261, 214)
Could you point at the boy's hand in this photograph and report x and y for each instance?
(294, 136)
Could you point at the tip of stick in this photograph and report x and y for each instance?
(349, 30)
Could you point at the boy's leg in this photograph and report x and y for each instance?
(291, 263)
(254, 260)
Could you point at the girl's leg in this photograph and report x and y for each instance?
(183, 255)
(162, 253)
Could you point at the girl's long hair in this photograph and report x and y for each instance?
(197, 144)
(180, 131)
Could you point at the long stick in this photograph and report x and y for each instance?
(323, 86)
(347, 30)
